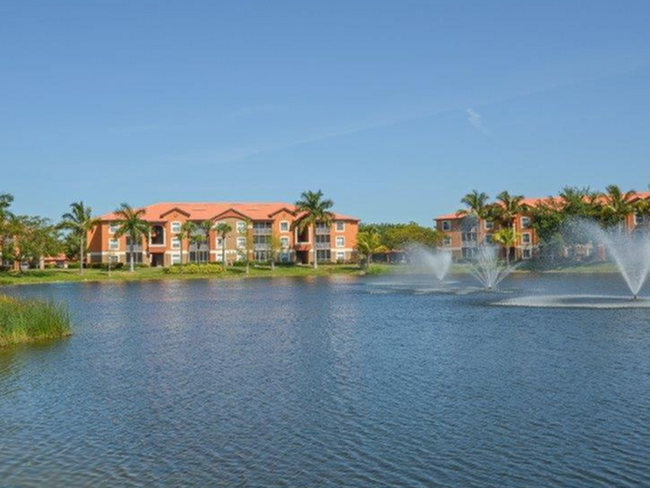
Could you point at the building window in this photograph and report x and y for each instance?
(340, 242)
(112, 228)
(176, 259)
(137, 257)
(219, 242)
(323, 239)
(639, 219)
(285, 257)
(176, 227)
(324, 255)
(447, 241)
(446, 225)
(525, 222)
(284, 242)
(113, 259)
(113, 244)
(241, 227)
(469, 237)
(340, 226)
(468, 252)
(340, 257)
(526, 254)
(262, 256)
(241, 242)
(525, 238)
(176, 243)
(284, 226)
(489, 225)
(489, 239)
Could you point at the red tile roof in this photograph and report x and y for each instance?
(209, 210)
(449, 216)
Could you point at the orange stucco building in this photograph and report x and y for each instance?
(463, 235)
(249, 221)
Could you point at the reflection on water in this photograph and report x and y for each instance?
(329, 382)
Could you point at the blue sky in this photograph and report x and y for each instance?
(394, 108)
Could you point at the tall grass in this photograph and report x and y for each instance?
(31, 320)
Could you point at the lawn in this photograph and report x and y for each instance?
(146, 273)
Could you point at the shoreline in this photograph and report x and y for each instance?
(59, 276)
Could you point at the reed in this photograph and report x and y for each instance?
(24, 321)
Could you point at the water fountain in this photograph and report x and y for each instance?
(487, 268)
(439, 262)
(629, 252)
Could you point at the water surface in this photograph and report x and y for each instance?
(329, 382)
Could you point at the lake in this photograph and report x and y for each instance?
(358, 382)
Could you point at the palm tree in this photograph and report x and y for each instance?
(316, 210)
(133, 226)
(506, 211)
(507, 237)
(206, 226)
(617, 205)
(223, 229)
(579, 202)
(369, 243)
(79, 221)
(187, 231)
(477, 208)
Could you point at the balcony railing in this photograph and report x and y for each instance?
(262, 247)
(322, 230)
(262, 232)
(323, 245)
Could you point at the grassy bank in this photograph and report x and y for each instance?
(146, 274)
(24, 321)
(280, 271)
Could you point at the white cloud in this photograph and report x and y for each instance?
(474, 118)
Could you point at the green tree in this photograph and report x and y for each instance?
(206, 227)
(249, 246)
(132, 225)
(5, 216)
(274, 244)
(188, 229)
(617, 205)
(507, 237)
(369, 243)
(477, 209)
(32, 238)
(402, 235)
(315, 209)
(79, 221)
(6, 200)
(505, 211)
(223, 229)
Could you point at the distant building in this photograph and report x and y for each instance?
(463, 234)
(162, 247)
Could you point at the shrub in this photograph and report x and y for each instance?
(31, 320)
(194, 269)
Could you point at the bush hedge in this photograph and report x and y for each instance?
(192, 268)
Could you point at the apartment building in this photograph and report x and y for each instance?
(252, 224)
(463, 234)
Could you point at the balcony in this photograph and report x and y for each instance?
(322, 231)
(262, 232)
(261, 247)
(323, 245)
